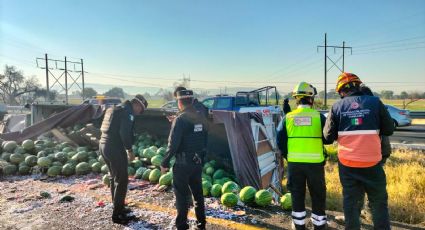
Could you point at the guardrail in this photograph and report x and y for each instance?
(417, 114)
(413, 114)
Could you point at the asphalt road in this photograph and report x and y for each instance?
(414, 134)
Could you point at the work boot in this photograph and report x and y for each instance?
(127, 210)
(199, 226)
(122, 219)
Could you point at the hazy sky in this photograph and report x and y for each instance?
(219, 43)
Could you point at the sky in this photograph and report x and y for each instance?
(218, 44)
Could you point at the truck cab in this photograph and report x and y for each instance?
(264, 101)
(261, 100)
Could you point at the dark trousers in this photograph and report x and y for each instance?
(312, 174)
(187, 179)
(355, 183)
(117, 162)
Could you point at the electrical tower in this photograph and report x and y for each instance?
(334, 63)
(65, 73)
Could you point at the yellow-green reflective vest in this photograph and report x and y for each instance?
(304, 130)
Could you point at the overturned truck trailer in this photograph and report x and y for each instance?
(241, 142)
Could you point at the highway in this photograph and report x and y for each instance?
(414, 134)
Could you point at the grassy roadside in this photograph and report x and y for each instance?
(418, 122)
(405, 185)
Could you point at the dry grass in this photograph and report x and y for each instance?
(418, 122)
(405, 172)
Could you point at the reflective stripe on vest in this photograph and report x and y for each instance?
(304, 130)
(362, 146)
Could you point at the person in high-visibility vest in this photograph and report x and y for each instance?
(300, 140)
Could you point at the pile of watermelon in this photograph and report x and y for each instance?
(218, 183)
(148, 160)
(49, 157)
(55, 159)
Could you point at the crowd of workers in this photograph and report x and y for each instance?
(359, 123)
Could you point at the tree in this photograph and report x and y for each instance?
(89, 92)
(13, 85)
(330, 95)
(387, 94)
(115, 92)
(43, 93)
(147, 95)
(404, 95)
(413, 96)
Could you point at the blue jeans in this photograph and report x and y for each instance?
(355, 183)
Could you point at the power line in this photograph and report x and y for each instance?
(343, 47)
(389, 42)
(390, 50)
(136, 76)
(391, 46)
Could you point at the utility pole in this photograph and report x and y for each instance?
(65, 74)
(82, 77)
(334, 63)
(66, 81)
(47, 78)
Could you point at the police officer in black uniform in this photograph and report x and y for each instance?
(116, 148)
(187, 142)
(196, 104)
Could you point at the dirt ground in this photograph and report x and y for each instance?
(34, 202)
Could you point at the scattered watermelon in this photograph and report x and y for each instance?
(206, 187)
(161, 151)
(96, 167)
(57, 163)
(9, 169)
(156, 160)
(19, 150)
(28, 145)
(153, 148)
(101, 160)
(9, 146)
(220, 173)
(139, 172)
(61, 157)
(263, 198)
(247, 194)
(31, 161)
(131, 171)
(166, 179)
(82, 168)
(42, 154)
(229, 199)
(136, 164)
(209, 171)
(54, 171)
(67, 149)
(148, 153)
(16, 158)
(216, 190)
(6, 156)
(154, 176)
(146, 174)
(68, 169)
(286, 201)
(104, 169)
(106, 180)
(230, 186)
(24, 169)
(44, 162)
